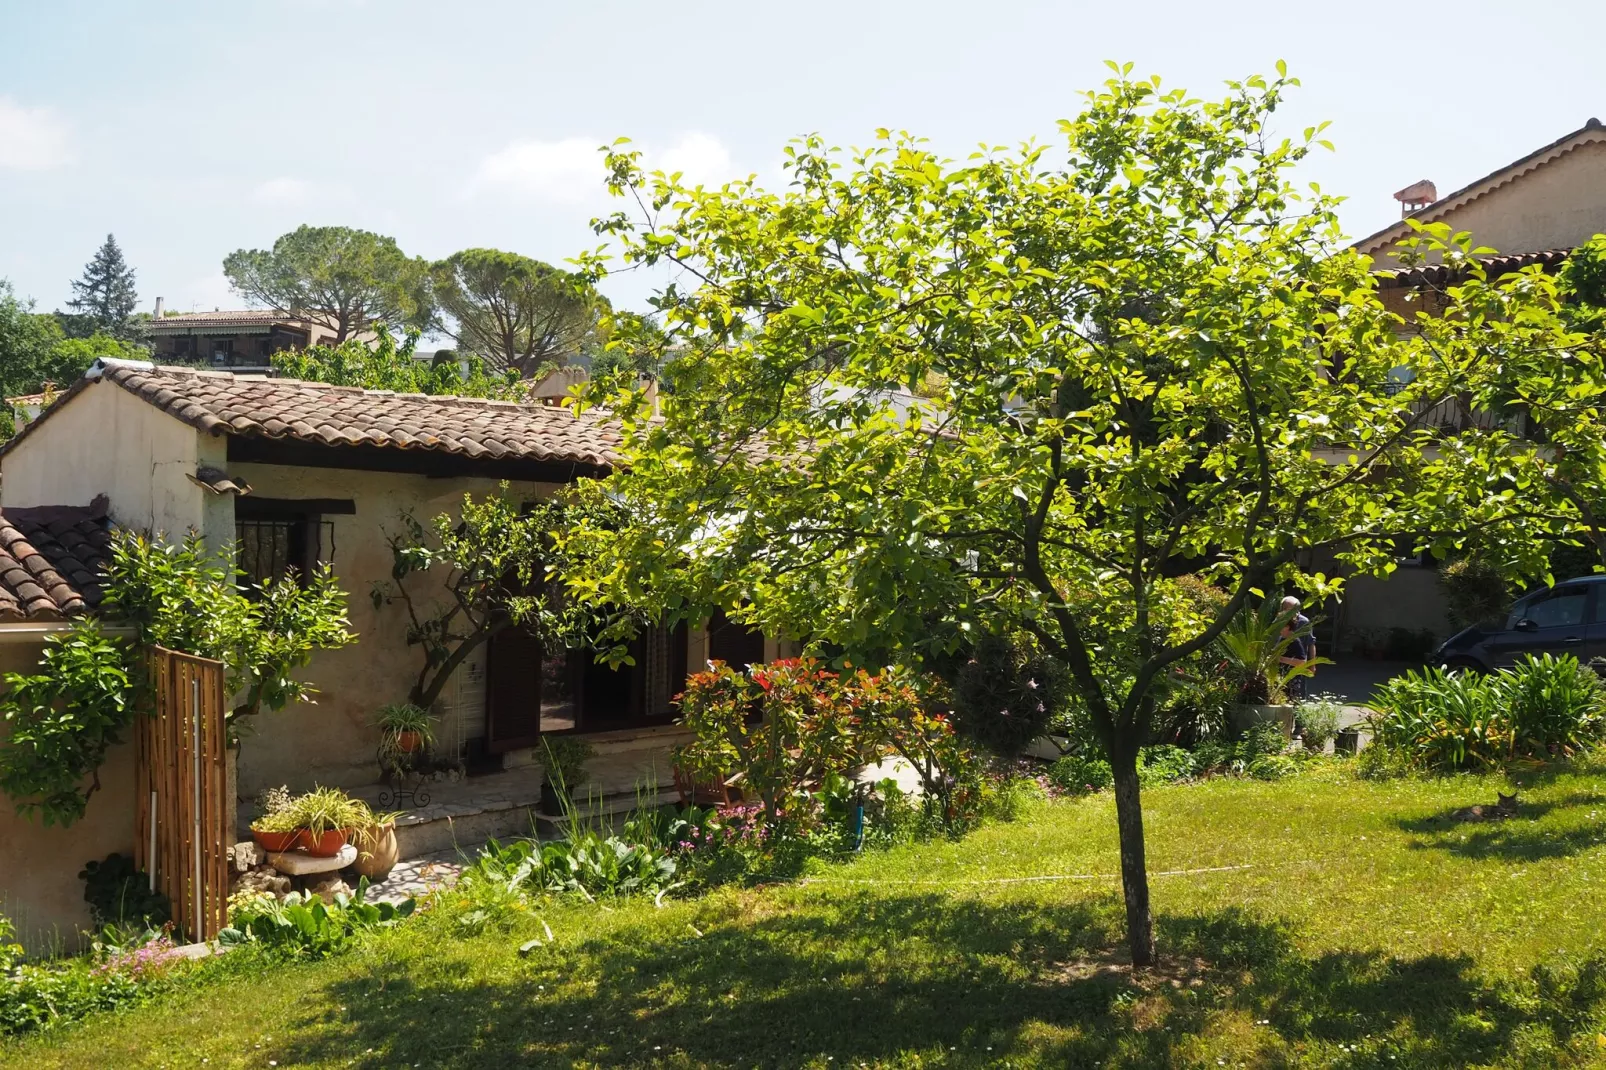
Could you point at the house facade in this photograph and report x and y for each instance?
(294, 474)
(1534, 210)
(238, 341)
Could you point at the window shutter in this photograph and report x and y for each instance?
(513, 692)
(735, 644)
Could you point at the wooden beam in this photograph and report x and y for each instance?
(431, 463)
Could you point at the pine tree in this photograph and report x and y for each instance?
(104, 298)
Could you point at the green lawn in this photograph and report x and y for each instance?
(1366, 930)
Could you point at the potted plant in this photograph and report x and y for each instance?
(377, 850)
(277, 828)
(405, 729)
(1254, 645)
(326, 817)
(563, 760)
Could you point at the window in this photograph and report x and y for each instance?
(1560, 608)
(279, 537)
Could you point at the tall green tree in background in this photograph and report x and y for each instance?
(35, 351)
(104, 298)
(517, 313)
(389, 366)
(1142, 353)
(349, 281)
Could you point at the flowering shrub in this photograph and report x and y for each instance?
(144, 962)
(790, 726)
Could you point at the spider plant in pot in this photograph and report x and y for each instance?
(405, 729)
(563, 758)
(326, 817)
(277, 828)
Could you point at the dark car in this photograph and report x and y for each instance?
(1569, 618)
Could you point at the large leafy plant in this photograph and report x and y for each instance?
(916, 398)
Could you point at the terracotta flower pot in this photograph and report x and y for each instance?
(377, 852)
(325, 846)
(276, 842)
(409, 742)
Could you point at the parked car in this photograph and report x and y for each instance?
(1569, 618)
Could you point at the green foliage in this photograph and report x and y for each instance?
(1077, 773)
(301, 925)
(350, 281)
(1318, 720)
(564, 759)
(1273, 767)
(385, 365)
(179, 596)
(1005, 696)
(584, 862)
(1474, 591)
(1163, 764)
(1438, 720)
(104, 296)
(499, 564)
(62, 720)
(34, 351)
(1254, 644)
(520, 315)
(120, 895)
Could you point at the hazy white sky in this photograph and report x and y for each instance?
(190, 129)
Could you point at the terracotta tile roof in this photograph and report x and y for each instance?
(52, 559)
(249, 317)
(1441, 274)
(252, 406)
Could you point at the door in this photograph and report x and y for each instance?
(1552, 621)
(513, 691)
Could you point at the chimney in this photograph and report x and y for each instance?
(161, 308)
(1415, 197)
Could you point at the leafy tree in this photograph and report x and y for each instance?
(1144, 354)
(350, 281)
(519, 314)
(465, 578)
(637, 348)
(34, 351)
(104, 297)
(388, 366)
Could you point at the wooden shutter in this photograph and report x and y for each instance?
(513, 692)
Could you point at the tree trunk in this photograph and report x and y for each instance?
(1134, 868)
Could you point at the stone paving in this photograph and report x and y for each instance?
(416, 877)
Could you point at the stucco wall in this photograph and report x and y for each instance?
(334, 741)
(106, 441)
(39, 886)
(1556, 206)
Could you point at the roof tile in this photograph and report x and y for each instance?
(51, 561)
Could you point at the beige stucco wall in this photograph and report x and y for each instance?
(106, 441)
(333, 741)
(39, 886)
(1556, 206)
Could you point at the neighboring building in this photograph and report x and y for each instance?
(239, 341)
(299, 473)
(1534, 210)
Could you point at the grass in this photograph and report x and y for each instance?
(1334, 923)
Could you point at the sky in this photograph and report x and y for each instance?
(190, 130)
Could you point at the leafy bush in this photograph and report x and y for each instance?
(585, 862)
(1076, 774)
(118, 894)
(1317, 720)
(1439, 720)
(63, 719)
(1273, 767)
(1005, 696)
(39, 996)
(564, 759)
(303, 925)
(1474, 591)
(1163, 764)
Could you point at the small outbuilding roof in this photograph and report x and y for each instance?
(52, 561)
(292, 410)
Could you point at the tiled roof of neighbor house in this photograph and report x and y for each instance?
(222, 403)
(1591, 131)
(52, 560)
(250, 317)
(1441, 274)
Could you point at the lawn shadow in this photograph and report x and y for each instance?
(871, 978)
(1519, 838)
